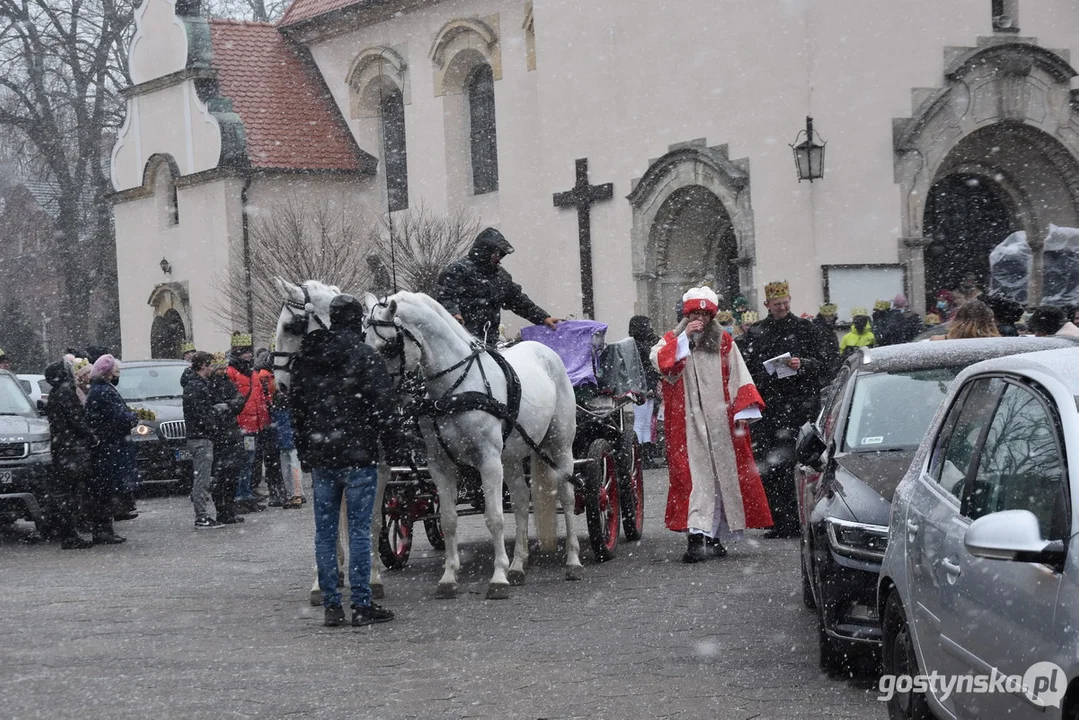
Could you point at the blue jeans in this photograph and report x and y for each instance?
(243, 487)
(359, 485)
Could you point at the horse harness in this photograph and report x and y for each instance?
(300, 318)
(470, 400)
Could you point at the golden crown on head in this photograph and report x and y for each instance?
(882, 305)
(187, 347)
(219, 358)
(241, 340)
(725, 317)
(749, 317)
(829, 309)
(777, 289)
(855, 312)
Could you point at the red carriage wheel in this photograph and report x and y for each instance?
(395, 540)
(433, 526)
(601, 500)
(631, 484)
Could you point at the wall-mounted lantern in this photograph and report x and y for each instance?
(809, 154)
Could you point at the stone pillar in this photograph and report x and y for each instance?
(912, 254)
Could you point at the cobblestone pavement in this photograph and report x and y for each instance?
(216, 623)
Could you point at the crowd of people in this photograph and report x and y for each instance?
(734, 390)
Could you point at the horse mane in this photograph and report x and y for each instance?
(436, 307)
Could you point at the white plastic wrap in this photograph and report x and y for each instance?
(1009, 267)
(1061, 284)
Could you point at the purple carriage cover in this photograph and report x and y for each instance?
(573, 343)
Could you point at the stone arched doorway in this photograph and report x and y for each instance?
(966, 216)
(697, 239)
(167, 336)
(692, 222)
(995, 149)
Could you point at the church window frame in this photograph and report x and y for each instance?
(482, 130)
(160, 178)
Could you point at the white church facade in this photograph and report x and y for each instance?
(947, 126)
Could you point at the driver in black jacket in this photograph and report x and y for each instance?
(475, 289)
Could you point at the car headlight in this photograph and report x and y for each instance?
(857, 540)
(141, 430)
(41, 447)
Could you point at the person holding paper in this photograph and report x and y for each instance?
(715, 492)
(791, 400)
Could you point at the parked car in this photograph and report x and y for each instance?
(981, 570)
(24, 453)
(160, 443)
(852, 457)
(35, 386)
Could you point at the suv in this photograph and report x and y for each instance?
(24, 453)
(161, 443)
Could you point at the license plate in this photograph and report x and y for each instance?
(183, 454)
(7, 477)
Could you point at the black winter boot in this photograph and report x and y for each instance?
(695, 551)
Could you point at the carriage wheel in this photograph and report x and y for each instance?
(601, 500)
(395, 540)
(433, 526)
(631, 485)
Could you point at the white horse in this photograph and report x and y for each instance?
(414, 332)
(305, 308)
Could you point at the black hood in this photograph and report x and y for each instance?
(640, 329)
(488, 241)
(878, 471)
(58, 372)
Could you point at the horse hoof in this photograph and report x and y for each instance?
(316, 598)
(446, 591)
(498, 591)
(516, 577)
(574, 573)
(377, 592)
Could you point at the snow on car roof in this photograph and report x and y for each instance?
(1062, 364)
(954, 353)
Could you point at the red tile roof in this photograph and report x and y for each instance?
(290, 120)
(301, 10)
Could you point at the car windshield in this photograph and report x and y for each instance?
(13, 401)
(150, 382)
(890, 411)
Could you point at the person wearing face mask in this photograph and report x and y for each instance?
(715, 492)
(111, 421)
(860, 334)
(945, 305)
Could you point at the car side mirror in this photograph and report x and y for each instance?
(1012, 535)
(810, 447)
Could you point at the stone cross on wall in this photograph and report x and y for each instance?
(582, 196)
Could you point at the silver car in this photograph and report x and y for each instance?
(978, 590)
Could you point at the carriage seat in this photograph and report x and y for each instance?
(577, 342)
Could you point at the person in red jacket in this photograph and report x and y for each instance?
(254, 418)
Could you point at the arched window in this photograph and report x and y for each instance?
(484, 142)
(168, 209)
(394, 152)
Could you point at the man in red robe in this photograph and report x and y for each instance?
(715, 492)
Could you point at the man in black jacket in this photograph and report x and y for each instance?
(200, 420)
(71, 443)
(790, 401)
(475, 289)
(341, 405)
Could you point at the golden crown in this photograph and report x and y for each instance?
(241, 340)
(725, 316)
(829, 309)
(882, 305)
(855, 312)
(749, 317)
(777, 289)
(187, 347)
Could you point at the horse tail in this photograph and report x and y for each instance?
(545, 481)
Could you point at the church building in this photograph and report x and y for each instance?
(626, 148)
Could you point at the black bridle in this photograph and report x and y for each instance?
(296, 325)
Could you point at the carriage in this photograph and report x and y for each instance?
(609, 488)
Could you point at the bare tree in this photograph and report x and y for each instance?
(417, 245)
(300, 239)
(64, 62)
(257, 10)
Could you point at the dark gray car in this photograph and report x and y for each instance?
(24, 453)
